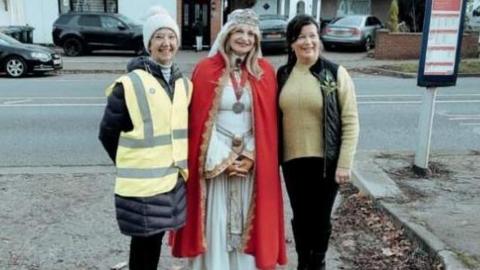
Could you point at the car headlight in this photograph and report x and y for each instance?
(41, 56)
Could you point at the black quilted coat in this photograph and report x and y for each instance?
(332, 127)
(147, 215)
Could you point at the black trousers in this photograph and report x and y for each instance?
(311, 197)
(145, 252)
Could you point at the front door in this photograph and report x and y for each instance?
(196, 20)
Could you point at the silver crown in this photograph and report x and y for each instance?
(243, 16)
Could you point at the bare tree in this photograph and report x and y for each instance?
(412, 13)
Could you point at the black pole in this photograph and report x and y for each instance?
(414, 17)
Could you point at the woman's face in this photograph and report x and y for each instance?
(163, 46)
(307, 45)
(242, 39)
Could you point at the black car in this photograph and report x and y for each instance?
(79, 33)
(18, 59)
(273, 28)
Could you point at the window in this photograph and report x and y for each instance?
(372, 21)
(376, 21)
(89, 20)
(111, 23)
(64, 20)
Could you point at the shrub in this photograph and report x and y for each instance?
(393, 17)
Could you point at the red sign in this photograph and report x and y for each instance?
(446, 5)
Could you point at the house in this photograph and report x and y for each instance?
(212, 13)
(42, 13)
(329, 9)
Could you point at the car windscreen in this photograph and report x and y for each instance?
(4, 39)
(348, 21)
(128, 20)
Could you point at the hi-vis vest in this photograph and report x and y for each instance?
(150, 157)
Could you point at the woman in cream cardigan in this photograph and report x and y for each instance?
(317, 152)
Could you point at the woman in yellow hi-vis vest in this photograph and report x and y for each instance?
(144, 130)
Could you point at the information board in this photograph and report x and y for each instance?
(441, 42)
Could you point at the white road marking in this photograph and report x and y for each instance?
(402, 95)
(52, 98)
(460, 115)
(464, 118)
(54, 105)
(16, 101)
(387, 102)
(415, 102)
(12, 101)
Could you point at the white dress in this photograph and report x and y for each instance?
(228, 198)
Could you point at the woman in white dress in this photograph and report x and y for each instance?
(235, 216)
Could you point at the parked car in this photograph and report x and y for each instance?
(354, 30)
(273, 29)
(79, 33)
(18, 59)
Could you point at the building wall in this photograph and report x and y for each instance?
(329, 9)
(41, 14)
(261, 4)
(4, 17)
(380, 9)
(324, 8)
(14, 14)
(138, 9)
(216, 19)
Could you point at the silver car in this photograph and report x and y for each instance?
(354, 30)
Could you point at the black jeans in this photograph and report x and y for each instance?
(145, 252)
(311, 197)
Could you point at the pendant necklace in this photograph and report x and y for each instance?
(238, 106)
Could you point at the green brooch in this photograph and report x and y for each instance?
(328, 83)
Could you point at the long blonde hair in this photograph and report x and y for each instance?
(251, 60)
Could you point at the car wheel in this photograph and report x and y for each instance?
(368, 44)
(15, 67)
(72, 47)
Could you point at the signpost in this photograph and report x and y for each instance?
(438, 67)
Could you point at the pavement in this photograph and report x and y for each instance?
(115, 62)
(59, 218)
(440, 212)
(62, 217)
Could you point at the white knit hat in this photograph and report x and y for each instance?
(158, 17)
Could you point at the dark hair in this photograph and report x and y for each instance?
(294, 28)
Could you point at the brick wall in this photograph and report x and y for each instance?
(407, 45)
(179, 15)
(216, 19)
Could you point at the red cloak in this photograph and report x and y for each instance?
(265, 236)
